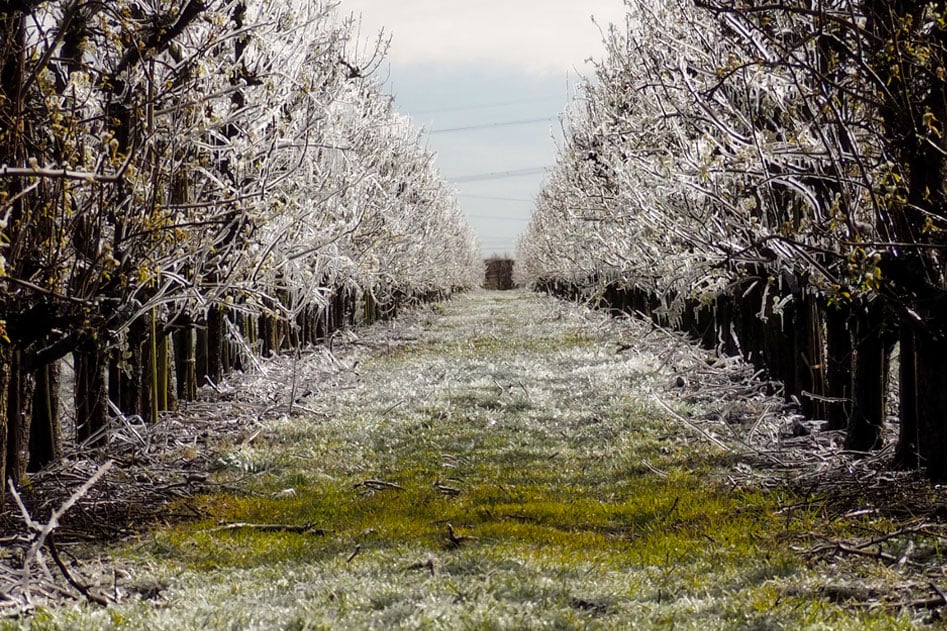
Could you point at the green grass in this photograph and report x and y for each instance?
(574, 504)
(539, 508)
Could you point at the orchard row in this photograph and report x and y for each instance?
(771, 179)
(188, 184)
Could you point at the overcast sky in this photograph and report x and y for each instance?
(489, 79)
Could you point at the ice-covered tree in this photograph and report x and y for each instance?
(775, 163)
(185, 174)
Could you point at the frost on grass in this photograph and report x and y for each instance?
(500, 461)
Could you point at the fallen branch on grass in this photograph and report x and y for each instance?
(457, 539)
(307, 528)
(80, 587)
(377, 485)
(354, 554)
(446, 490)
(872, 548)
(428, 565)
(842, 548)
(35, 577)
(707, 435)
(941, 596)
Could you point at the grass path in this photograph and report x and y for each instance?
(501, 467)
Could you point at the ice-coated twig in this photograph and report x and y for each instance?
(34, 557)
(710, 437)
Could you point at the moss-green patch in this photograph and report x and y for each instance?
(679, 519)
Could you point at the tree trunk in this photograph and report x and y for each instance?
(46, 432)
(838, 359)
(126, 378)
(185, 362)
(116, 377)
(241, 362)
(156, 395)
(215, 340)
(351, 307)
(931, 402)
(810, 360)
(777, 345)
(312, 325)
(15, 384)
(91, 396)
(750, 329)
(372, 313)
(21, 386)
(869, 381)
(784, 335)
(723, 315)
(908, 455)
(268, 335)
(225, 345)
(6, 357)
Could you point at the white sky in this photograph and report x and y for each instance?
(535, 36)
(483, 64)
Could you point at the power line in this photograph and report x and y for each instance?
(485, 106)
(500, 199)
(496, 217)
(499, 175)
(527, 121)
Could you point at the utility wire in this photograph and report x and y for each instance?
(499, 175)
(490, 105)
(500, 199)
(496, 217)
(527, 121)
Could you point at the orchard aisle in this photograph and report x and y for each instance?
(495, 461)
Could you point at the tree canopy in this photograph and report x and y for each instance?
(164, 162)
(785, 157)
